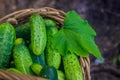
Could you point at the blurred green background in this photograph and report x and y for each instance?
(103, 15)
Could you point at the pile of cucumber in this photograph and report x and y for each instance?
(26, 49)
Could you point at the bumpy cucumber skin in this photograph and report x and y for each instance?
(72, 67)
(23, 31)
(53, 58)
(61, 75)
(38, 34)
(22, 58)
(7, 39)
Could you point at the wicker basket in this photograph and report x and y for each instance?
(21, 16)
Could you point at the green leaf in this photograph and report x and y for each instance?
(59, 42)
(89, 44)
(76, 36)
(75, 23)
(65, 41)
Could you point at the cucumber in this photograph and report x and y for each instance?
(51, 27)
(14, 70)
(39, 59)
(21, 56)
(23, 31)
(38, 34)
(36, 68)
(7, 39)
(61, 75)
(72, 67)
(49, 73)
(53, 58)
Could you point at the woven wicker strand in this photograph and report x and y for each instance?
(5, 75)
(21, 16)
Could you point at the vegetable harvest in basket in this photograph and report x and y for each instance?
(37, 47)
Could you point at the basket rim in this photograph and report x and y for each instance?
(55, 14)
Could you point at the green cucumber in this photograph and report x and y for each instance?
(53, 58)
(61, 75)
(38, 34)
(38, 59)
(36, 68)
(21, 56)
(14, 70)
(73, 70)
(23, 31)
(49, 73)
(51, 27)
(7, 39)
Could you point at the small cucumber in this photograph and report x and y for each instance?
(61, 75)
(49, 73)
(38, 34)
(53, 58)
(14, 70)
(36, 68)
(39, 59)
(23, 31)
(21, 56)
(51, 27)
(72, 67)
(7, 39)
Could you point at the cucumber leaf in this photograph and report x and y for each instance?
(76, 36)
(66, 40)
